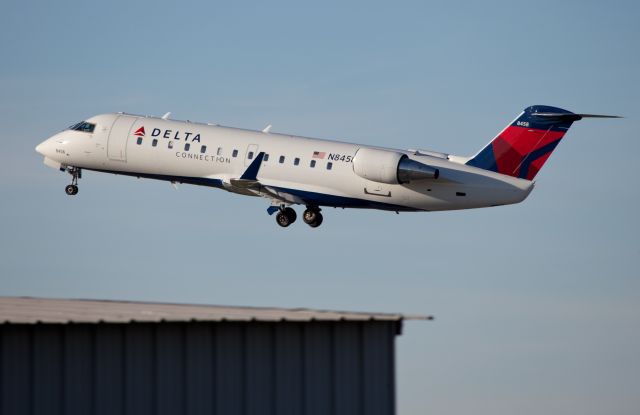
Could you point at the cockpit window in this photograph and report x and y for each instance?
(83, 126)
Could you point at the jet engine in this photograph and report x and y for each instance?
(390, 167)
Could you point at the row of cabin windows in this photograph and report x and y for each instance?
(187, 146)
(296, 161)
(203, 149)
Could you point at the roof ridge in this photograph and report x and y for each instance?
(27, 310)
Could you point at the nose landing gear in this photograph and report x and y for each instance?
(76, 173)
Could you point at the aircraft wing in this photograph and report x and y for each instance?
(248, 184)
(255, 188)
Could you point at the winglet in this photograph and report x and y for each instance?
(252, 171)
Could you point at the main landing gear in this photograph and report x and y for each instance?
(286, 216)
(311, 216)
(76, 173)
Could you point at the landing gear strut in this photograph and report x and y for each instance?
(312, 216)
(286, 216)
(76, 173)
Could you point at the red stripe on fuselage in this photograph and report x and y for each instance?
(515, 143)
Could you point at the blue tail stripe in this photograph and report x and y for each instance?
(485, 159)
(534, 155)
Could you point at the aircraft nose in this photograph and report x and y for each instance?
(44, 148)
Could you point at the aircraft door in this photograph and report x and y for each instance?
(118, 137)
(252, 152)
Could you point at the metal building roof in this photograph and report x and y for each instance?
(29, 310)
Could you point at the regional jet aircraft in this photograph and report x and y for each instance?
(291, 170)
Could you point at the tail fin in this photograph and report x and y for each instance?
(522, 148)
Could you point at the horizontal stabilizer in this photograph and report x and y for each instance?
(598, 116)
(571, 116)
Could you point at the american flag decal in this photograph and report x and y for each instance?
(319, 154)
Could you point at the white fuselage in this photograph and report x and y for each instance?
(173, 150)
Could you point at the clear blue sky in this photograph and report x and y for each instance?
(537, 305)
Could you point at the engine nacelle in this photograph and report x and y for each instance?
(410, 170)
(390, 167)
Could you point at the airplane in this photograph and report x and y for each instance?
(291, 170)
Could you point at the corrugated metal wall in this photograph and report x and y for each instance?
(198, 368)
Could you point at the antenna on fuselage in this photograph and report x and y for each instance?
(267, 129)
(166, 116)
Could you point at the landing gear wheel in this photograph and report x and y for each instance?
(309, 216)
(71, 189)
(286, 217)
(291, 214)
(312, 217)
(317, 222)
(282, 219)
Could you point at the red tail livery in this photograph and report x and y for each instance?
(522, 148)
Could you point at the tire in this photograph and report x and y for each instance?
(282, 219)
(71, 189)
(317, 222)
(309, 216)
(291, 214)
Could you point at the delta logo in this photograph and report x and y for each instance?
(174, 134)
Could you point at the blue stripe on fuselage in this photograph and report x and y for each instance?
(323, 199)
(310, 198)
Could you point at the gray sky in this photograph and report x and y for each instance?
(537, 305)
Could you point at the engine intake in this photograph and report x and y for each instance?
(390, 167)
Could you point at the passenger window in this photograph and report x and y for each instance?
(296, 161)
(250, 155)
(235, 153)
(219, 152)
(186, 146)
(139, 140)
(203, 149)
(154, 142)
(329, 165)
(170, 144)
(312, 164)
(266, 157)
(281, 159)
